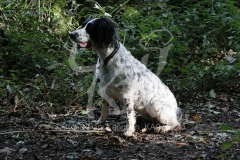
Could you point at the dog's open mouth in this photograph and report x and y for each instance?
(83, 45)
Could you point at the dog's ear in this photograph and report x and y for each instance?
(83, 21)
(107, 33)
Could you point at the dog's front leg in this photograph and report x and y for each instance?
(104, 113)
(128, 103)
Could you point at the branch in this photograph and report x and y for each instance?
(75, 131)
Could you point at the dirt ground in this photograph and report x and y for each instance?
(37, 134)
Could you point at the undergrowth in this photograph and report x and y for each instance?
(35, 47)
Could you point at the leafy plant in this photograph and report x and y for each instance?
(227, 145)
(34, 61)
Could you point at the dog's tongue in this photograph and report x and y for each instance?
(83, 44)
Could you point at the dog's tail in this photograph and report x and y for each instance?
(179, 114)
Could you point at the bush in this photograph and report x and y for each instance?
(34, 57)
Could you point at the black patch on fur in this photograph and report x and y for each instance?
(102, 31)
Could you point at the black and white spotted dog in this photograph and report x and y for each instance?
(123, 78)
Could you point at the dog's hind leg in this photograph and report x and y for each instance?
(166, 113)
(169, 118)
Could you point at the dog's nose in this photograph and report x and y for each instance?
(73, 35)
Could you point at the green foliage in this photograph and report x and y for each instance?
(199, 55)
(204, 31)
(34, 63)
(225, 127)
(205, 53)
(227, 145)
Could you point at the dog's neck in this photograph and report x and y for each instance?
(103, 53)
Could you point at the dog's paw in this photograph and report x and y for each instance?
(128, 133)
(163, 129)
(178, 128)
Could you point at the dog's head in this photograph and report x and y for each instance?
(97, 33)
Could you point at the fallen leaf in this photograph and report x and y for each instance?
(74, 143)
(209, 105)
(144, 130)
(16, 102)
(87, 150)
(99, 151)
(72, 156)
(202, 140)
(214, 112)
(225, 109)
(22, 150)
(84, 111)
(77, 89)
(212, 94)
(100, 133)
(197, 119)
(108, 129)
(181, 144)
(6, 150)
(52, 115)
(45, 126)
(198, 156)
(45, 146)
(53, 137)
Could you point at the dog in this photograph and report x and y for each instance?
(123, 78)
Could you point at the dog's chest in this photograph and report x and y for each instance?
(126, 75)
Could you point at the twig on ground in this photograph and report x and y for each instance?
(75, 131)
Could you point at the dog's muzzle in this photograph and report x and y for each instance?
(75, 37)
